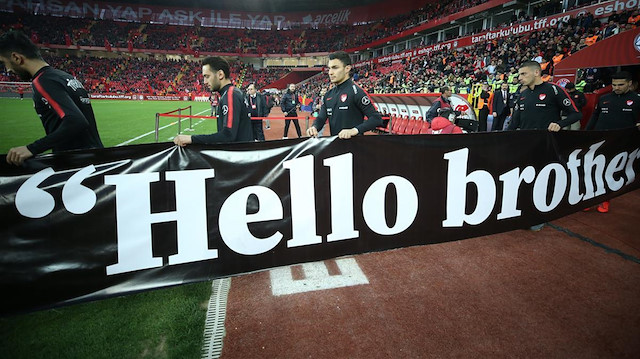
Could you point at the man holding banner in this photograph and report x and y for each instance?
(346, 104)
(618, 109)
(234, 124)
(540, 105)
(59, 99)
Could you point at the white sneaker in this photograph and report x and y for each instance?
(284, 138)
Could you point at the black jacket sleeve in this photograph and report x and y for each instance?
(374, 119)
(515, 119)
(72, 123)
(264, 109)
(565, 103)
(283, 100)
(594, 117)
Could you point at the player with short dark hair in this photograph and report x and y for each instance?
(59, 99)
(618, 109)
(346, 104)
(216, 63)
(540, 103)
(234, 124)
(342, 56)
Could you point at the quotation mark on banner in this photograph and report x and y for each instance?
(34, 202)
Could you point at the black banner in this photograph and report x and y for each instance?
(86, 225)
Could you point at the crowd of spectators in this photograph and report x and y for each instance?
(491, 62)
(124, 74)
(128, 74)
(297, 39)
(494, 62)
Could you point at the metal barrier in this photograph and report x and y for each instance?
(180, 117)
(308, 120)
(169, 114)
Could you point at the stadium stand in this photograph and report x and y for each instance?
(132, 72)
(149, 76)
(119, 57)
(88, 32)
(493, 62)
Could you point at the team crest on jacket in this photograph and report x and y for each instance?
(542, 96)
(629, 102)
(74, 84)
(343, 97)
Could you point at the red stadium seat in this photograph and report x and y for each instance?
(417, 127)
(402, 126)
(412, 124)
(395, 124)
(425, 126)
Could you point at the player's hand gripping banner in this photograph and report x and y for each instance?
(92, 224)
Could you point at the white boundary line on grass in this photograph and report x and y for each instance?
(161, 128)
(214, 330)
(188, 129)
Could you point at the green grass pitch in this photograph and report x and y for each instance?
(118, 121)
(166, 323)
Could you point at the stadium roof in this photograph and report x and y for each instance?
(258, 5)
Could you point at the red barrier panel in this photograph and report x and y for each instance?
(180, 109)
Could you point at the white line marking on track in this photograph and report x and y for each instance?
(214, 330)
(161, 128)
(316, 277)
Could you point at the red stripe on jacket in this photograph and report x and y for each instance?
(45, 94)
(230, 106)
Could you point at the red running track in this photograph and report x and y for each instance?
(277, 126)
(571, 290)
